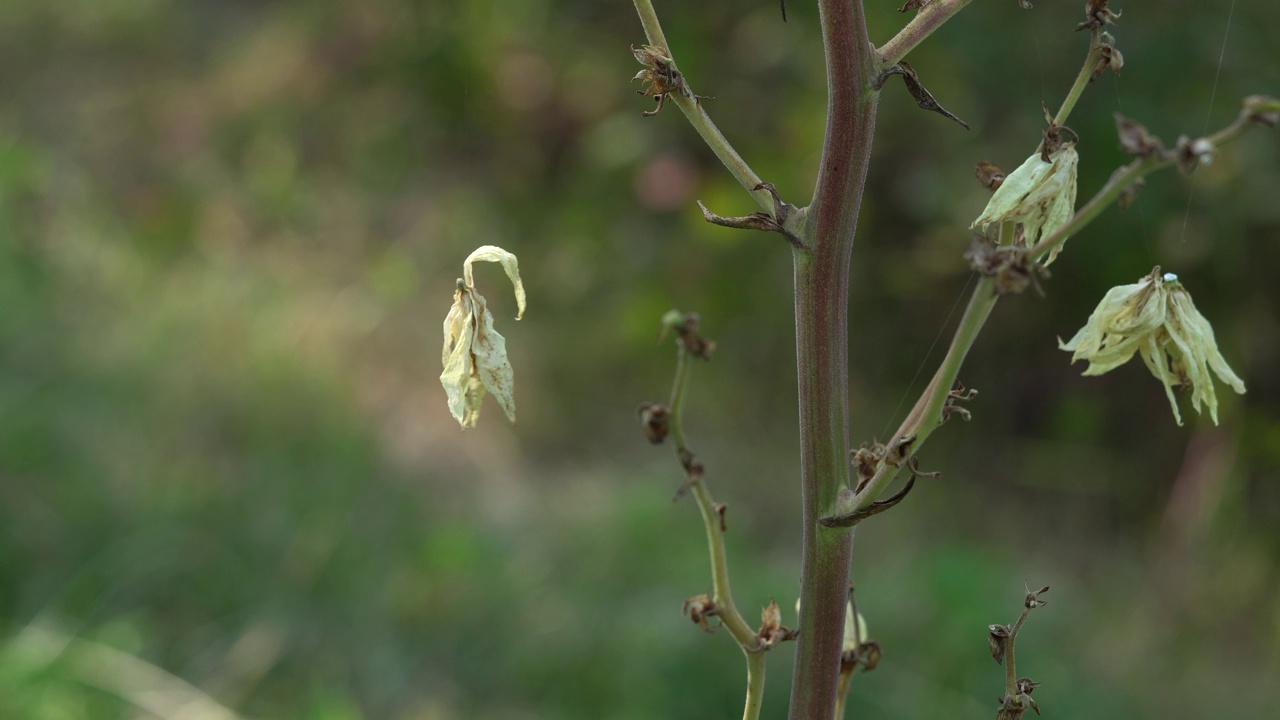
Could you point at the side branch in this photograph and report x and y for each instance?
(711, 518)
(929, 18)
(691, 106)
(928, 413)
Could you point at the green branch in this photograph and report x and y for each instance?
(693, 110)
(927, 19)
(711, 521)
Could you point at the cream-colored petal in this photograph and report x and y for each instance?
(472, 402)
(459, 316)
(457, 375)
(1199, 327)
(492, 366)
(1156, 362)
(855, 628)
(493, 253)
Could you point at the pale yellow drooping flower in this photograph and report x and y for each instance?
(474, 354)
(1039, 195)
(1156, 318)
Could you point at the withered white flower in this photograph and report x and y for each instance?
(855, 631)
(474, 354)
(1155, 317)
(1040, 195)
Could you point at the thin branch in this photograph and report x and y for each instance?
(728, 614)
(1130, 174)
(1086, 73)
(927, 19)
(692, 109)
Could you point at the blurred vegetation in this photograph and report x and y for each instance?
(229, 230)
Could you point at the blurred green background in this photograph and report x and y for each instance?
(229, 231)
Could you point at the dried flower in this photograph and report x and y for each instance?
(1155, 317)
(1039, 195)
(474, 354)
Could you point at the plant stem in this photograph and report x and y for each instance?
(723, 594)
(926, 416)
(699, 119)
(842, 693)
(821, 273)
(1010, 669)
(1086, 72)
(755, 685)
(927, 19)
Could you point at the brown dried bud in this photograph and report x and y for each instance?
(700, 608)
(771, 630)
(1097, 14)
(998, 640)
(1130, 194)
(1026, 685)
(913, 5)
(989, 175)
(1109, 58)
(655, 420)
(1033, 598)
(660, 75)
(1135, 139)
(866, 459)
(869, 653)
(685, 326)
(1262, 109)
(1191, 154)
(1012, 266)
(899, 451)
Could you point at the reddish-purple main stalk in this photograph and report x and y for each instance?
(822, 349)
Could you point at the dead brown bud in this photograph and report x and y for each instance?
(721, 509)
(1033, 598)
(1135, 139)
(1097, 14)
(771, 630)
(655, 420)
(1191, 154)
(693, 471)
(998, 640)
(899, 450)
(1109, 58)
(913, 5)
(1053, 136)
(700, 609)
(870, 655)
(989, 175)
(1130, 194)
(660, 76)
(866, 459)
(958, 395)
(685, 326)
(1012, 266)
(1262, 110)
